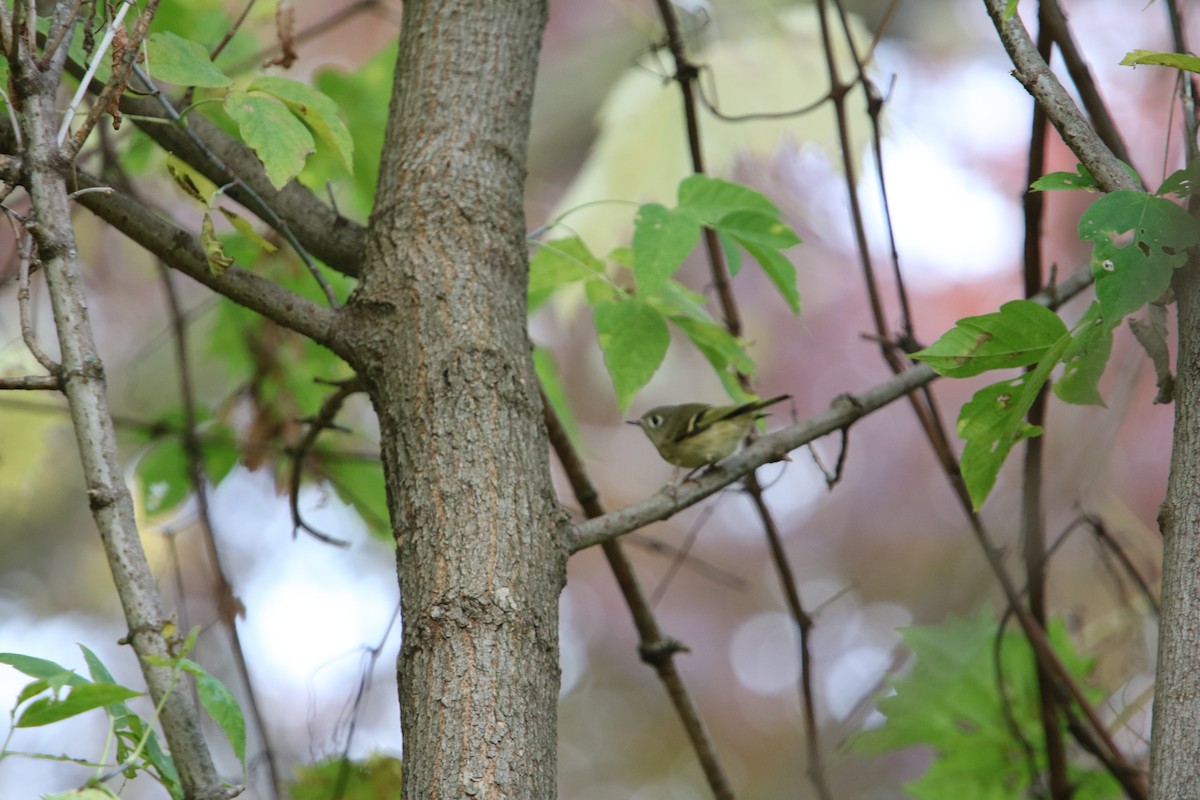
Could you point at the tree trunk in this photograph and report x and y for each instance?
(438, 330)
(1175, 751)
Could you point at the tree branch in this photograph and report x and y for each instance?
(845, 411)
(1040, 81)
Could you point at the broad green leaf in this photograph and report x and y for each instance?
(1181, 182)
(362, 97)
(173, 59)
(316, 109)
(1017, 335)
(359, 482)
(720, 347)
(163, 474)
(712, 199)
(662, 239)
(950, 701)
(1085, 359)
(34, 667)
(758, 227)
(79, 699)
(1139, 240)
(219, 703)
(558, 263)
(219, 451)
(1175, 60)
(556, 393)
(733, 253)
(778, 268)
(281, 141)
(1080, 179)
(993, 422)
(634, 340)
(684, 309)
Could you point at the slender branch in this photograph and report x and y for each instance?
(229, 606)
(322, 421)
(1033, 512)
(182, 251)
(686, 75)
(1040, 81)
(83, 379)
(27, 334)
(31, 382)
(845, 411)
(320, 230)
(657, 649)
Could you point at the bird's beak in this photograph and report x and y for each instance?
(637, 422)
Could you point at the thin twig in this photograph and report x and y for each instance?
(27, 334)
(229, 606)
(321, 422)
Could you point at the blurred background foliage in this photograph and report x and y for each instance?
(885, 548)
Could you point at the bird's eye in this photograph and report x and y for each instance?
(654, 420)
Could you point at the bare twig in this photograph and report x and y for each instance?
(657, 649)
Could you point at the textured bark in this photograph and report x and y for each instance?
(437, 329)
(1175, 748)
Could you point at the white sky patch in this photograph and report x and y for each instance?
(948, 224)
(764, 653)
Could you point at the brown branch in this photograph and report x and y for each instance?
(229, 605)
(31, 382)
(686, 75)
(657, 649)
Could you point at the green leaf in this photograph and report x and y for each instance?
(950, 701)
(359, 482)
(379, 776)
(220, 704)
(556, 392)
(733, 253)
(993, 422)
(712, 199)
(662, 239)
(79, 699)
(1085, 359)
(281, 141)
(778, 268)
(1019, 334)
(315, 108)
(34, 667)
(683, 308)
(362, 97)
(1080, 179)
(1139, 240)
(1175, 60)
(163, 474)
(634, 340)
(173, 59)
(1181, 182)
(558, 263)
(759, 228)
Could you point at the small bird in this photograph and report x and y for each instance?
(695, 435)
